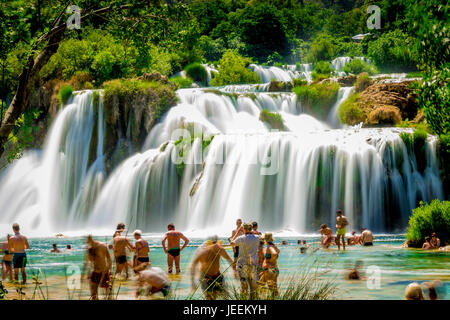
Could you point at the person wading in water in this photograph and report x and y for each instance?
(173, 249)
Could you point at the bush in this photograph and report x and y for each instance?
(233, 70)
(362, 82)
(350, 112)
(428, 218)
(64, 93)
(197, 72)
(415, 142)
(444, 158)
(391, 51)
(182, 82)
(296, 82)
(317, 98)
(357, 66)
(273, 119)
(323, 67)
(322, 49)
(384, 115)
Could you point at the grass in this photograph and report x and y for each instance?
(64, 93)
(182, 82)
(362, 82)
(357, 66)
(350, 112)
(317, 98)
(273, 119)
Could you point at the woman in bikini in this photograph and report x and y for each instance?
(270, 272)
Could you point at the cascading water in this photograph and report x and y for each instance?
(293, 179)
(285, 74)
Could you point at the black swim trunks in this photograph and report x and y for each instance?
(236, 251)
(212, 283)
(164, 290)
(121, 259)
(143, 259)
(7, 262)
(100, 278)
(20, 260)
(368, 244)
(174, 252)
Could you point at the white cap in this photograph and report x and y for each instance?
(139, 232)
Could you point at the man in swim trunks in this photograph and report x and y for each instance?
(341, 223)
(151, 281)
(366, 238)
(17, 246)
(99, 261)
(326, 231)
(173, 243)
(247, 263)
(141, 250)
(239, 231)
(7, 260)
(120, 246)
(208, 257)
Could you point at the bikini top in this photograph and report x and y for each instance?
(268, 256)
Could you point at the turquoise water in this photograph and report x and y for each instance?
(397, 266)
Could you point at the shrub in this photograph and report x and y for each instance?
(415, 142)
(273, 119)
(428, 218)
(350, 112)
(197, 72)
(323, 67)
(317, 98)
(357, 66)
(322, 49)
(64, 93)
(80, 80)
(182, 82)
(296, 82)
(233, 70)
(384, 115)
(444, 158)
(362, 82)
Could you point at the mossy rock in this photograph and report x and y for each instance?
(273, 119)
(317, 98)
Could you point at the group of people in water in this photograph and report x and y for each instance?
(254, 260)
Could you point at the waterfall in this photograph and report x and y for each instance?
(333, 118)
(285, 74)
(293, 179)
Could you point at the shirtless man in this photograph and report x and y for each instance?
(208, 257)
(341, 223)
(17, 245)
(427, 245)
(99, 261)
(326, 231)
(240, 231)
(151, 281)
(141, 250)
(120, 246)
(255, 228)
(7, 260)
(55, 249)
(366, 238)
(173, 247)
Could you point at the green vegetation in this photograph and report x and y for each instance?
(428, 218)
(197, 72)
(357, 66)
(64, 93)
(415, 143)
(362, 82)
(350, 112)
(322, 49)
(233, 70)
(317, 98)
(182, 82)
(322, 70)
(273, 119)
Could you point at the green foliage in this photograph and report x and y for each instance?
(415, 143)
(428, 218)
(317, 98)
(212, 49)
(273, 119)
(391, 51)
(64, 93)
(297, 82)
(350, 112)
(182, 82)
(362, 82)
(357, 66)
(323, 67)
(233, 70)
(197, 72)
(322, 49)
(433, 94)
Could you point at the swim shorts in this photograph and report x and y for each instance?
(236, 251)
(143, 259)
(212, 283)
(121, 259)
(174, 252)
(101, 278)
(20, 260)
(340, 232)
